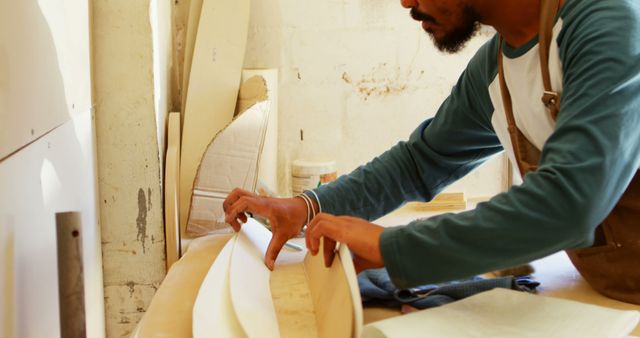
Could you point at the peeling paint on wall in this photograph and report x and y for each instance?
(384, 80)
(141, 221)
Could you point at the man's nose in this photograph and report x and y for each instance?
(409, 3)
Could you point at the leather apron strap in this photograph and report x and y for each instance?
(610, 266)
(526, 154)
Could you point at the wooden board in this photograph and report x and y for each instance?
(193, 21)
(442, 202)
(171, 190)
(214, 81)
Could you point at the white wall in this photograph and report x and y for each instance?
(54, 174)
(356, 77)
(47, 162)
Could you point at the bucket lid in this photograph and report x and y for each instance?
(307, 168)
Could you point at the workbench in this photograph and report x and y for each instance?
(558, 277)
(178, 292)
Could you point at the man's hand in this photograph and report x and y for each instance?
(286, 216)
(362, 237)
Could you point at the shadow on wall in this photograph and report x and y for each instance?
(33, 98)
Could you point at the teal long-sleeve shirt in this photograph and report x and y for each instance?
(589, 155)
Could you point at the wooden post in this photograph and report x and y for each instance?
(70, 275)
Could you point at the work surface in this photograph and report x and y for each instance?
(556, 273)
(178, 291)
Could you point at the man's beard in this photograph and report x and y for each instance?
(454, 40)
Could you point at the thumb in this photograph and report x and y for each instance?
(275, 245)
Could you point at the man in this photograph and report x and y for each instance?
(589, 155)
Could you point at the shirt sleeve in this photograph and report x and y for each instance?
(441, 150)
(585, 167)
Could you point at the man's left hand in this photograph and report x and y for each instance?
(362, 237)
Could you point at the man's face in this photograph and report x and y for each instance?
(450, 23)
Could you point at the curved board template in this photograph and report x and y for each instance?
(213, 314)
(230, 161)
(268, 173)
(214, 81)
(250, 292)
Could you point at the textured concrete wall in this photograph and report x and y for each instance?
(130, 194)
(356, 77)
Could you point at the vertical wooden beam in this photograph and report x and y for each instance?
(70, 275)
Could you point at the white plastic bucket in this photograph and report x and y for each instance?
(307, 175)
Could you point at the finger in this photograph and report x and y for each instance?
(233, 197)
(275, 245)
(329, 248)
(323, 227)
(309, 241)
(242, 217)
(234, 213)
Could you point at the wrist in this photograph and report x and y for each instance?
(299, 212)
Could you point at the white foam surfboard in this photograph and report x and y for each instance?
(213, 314)
(250, 291)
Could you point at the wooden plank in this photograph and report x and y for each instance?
(214, 81)
(193, 21)
(442, 202)
(171, 190)
(69, 232)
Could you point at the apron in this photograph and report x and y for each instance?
(612, 265)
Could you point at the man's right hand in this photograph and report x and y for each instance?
(286, 217)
